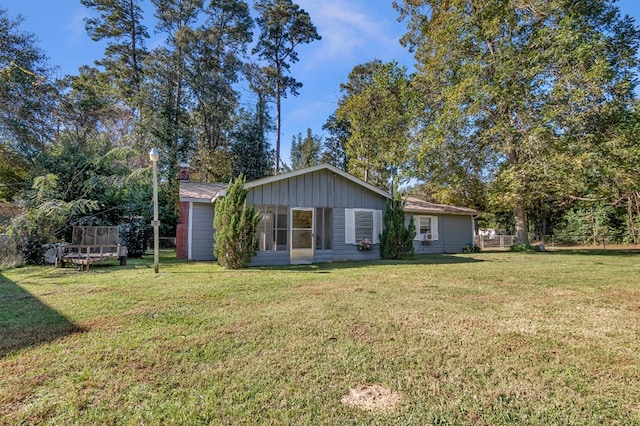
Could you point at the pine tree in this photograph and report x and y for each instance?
(305, 152)
(283, 28)
(120, 23)
(235, 227)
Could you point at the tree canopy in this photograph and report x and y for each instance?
(525, 110)
(284, 26)
(515, 91)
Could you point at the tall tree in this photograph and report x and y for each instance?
(377, 106)
(615, 163)
(512, 84)
(120, 22)
(249, 149)
(27, 103)
(252, 154)
(284, 26)
(305, 152)
(214, 53)
(333, 147)
(166, 121)
(89, 109)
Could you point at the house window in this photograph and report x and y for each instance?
(426, 228)
(272, 228)
(324, 228)
(362, 224)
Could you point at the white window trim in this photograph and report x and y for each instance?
(434, 228)
(350, 225)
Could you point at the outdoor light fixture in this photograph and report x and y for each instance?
(154, 155)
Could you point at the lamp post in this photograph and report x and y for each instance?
(154, 156)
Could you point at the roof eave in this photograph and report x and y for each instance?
(441, 212)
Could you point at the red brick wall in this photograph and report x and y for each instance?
(181, 231)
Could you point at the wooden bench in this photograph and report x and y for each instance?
(84, 256)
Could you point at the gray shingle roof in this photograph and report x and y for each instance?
(200, 191)
(416, 205)
(207, 192)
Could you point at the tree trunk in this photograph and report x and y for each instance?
(134, 56)
(278, 120)
(522, 224)
(278, 117)
(519, 211)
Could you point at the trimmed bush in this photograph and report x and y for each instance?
(396, 240)
(235, 227)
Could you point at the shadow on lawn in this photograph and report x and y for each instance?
(25, 321)
(420, 259)
(591, 251)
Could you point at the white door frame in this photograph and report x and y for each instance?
(306, 253)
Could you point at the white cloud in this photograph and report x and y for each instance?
(74, 28)
(351, 29)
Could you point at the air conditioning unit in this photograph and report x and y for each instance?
(425, 237)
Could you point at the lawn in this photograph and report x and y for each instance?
(488, 338)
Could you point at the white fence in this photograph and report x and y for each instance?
(495, 241)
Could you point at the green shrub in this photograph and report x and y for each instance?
(235, 227)
(471, 248)
(396, 240)
(135, 235)
(9, 255)
(525, 248)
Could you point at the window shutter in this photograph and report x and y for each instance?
(377, 226)
(349, 226)
(416, 222)
(434, 228)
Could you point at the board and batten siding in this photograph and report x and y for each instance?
(202, 231)
(323, 189)
(453, 233)
(344, 252)
(318, 189)
(459, 232)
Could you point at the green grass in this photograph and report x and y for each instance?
(487, 338)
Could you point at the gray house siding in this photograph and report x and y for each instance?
(343, 252)
(458, 231)
(453, 233)
(270, 258)
(318, 189)
(202, 235)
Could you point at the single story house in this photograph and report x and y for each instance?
(315, 215)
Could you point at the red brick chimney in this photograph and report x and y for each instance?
(183, 217)
(184, 172)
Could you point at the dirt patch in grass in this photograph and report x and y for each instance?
(372, 398)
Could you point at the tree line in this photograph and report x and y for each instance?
(523, 110)
(526, 111)
(74, 150)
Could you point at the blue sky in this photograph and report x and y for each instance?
(353, 32)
